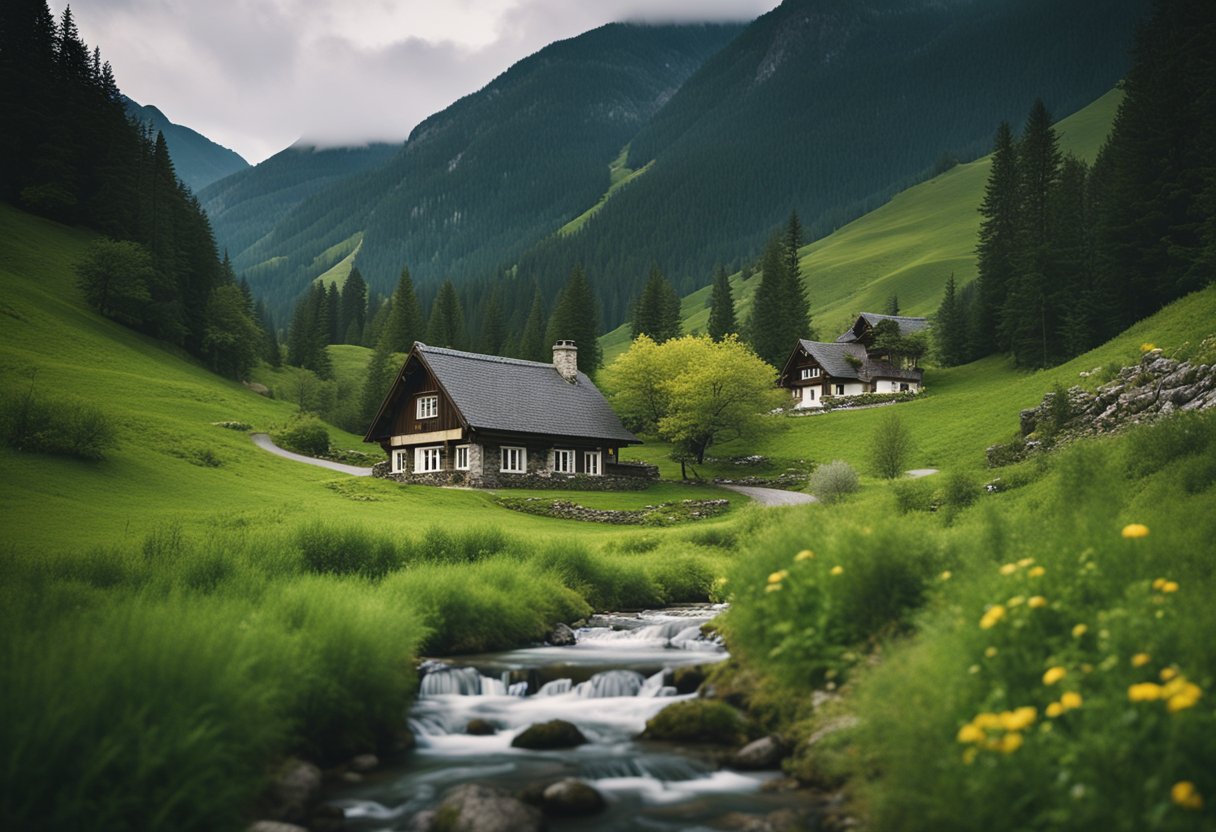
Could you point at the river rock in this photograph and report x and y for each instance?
(472, 807)
(544, 736)
(480, 727)
(363, 762)
(765, 753)
(698, 720)
(572, 798)
(561, 636)
(688, 679)
(273, 826)
(293, 788)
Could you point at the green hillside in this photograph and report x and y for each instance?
(164, 406)
(908, 247)
(619, 175)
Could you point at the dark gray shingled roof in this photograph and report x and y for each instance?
(832, 357)
(907, 325)
(509, 394)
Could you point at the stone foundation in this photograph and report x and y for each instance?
(535, 479)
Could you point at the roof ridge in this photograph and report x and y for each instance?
(481, 356)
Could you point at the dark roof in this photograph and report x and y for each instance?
(907, 325)
(834, 358)
(508, 394)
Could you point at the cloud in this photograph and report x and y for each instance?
(256, 75)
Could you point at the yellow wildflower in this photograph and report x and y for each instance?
(987, 721)
(1036, 602)
(1168, 673)
(1157, 584)
(1070, 700)
(947, 575)
(1144, 692)
(805, 554)
(1148, 346)
(990, 652)
(1169, 586)
(1053, 675)
(1141, 659)
(772, 588)
(1019, 718)
(969, 756)
(1186, 795)
(1181, 695)
(1134, 530)
(971, 733)
(1055, 709)
(1016, 601)
(778, 577)
(1011, 742)
(1024, 562)
(1037, 572)
(837, 570)
(1009, 569)
(994, 614)
(1079, 630)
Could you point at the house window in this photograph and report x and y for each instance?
(462, 458)
(428, 460)
(514, 460)
(400, 461)
(810, 394)
(591, 463)
(839, 389)
(563, 462)
(797, 392)
(428, 407)
(903, 388)
(810, 372)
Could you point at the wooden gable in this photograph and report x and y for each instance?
(400, 414)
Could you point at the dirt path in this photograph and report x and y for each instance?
(773, 496)
(921, 472)
(263, 442)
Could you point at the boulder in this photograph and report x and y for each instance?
(763, 754)
(480, 727)
(544, 736)
(273, 826)
(363, 762)
(698, 720)
(571, 798)
(561, 636)
(293, 788)
(472, 807)
(688, 679)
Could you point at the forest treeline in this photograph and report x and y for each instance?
(69, 151)
(1072, 254)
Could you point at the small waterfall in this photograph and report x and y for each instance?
(610, 683)
(555, 688)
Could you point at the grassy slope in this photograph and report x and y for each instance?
(164, 404)
(908, 247)
(619, 175)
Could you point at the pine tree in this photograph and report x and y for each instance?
(950, 328)
(271, 353)
(576, 318)
(721, 307)
(768, 331)
(493, 326)
(998, 243)
(656, 312)
(333, 314)
(446, 328)
(376, 382)
(353, 312)
(532, 345)
(308, 334)
(404, 324)
(796, 318)
(892, 307)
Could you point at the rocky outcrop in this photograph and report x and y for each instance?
(473, 807)
(561, 636)
(545, 736)
(1153, 389)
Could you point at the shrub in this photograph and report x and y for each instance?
(1152, 447)
(890, 447)
(831, 482)
(961, 489)
(913, 495)
(683, 579)
(306, 436)
(718, 536)
(350, 550)
(58, 426)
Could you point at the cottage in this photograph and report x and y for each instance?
(463, 418)
(859, 361)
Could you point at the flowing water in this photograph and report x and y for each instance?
(609, 684)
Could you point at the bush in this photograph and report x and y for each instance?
(350, 550)
(307, 436)
(831, 482)
(58, 426)
(913, 495)
(1152, 447)
(890, 447)
(961, 489)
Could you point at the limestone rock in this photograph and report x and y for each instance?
(544, 736)
(572, 798)
(472, 807)
(760, 755)
(561, 636)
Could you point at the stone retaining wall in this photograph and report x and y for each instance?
(540, 480)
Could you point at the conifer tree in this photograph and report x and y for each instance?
(576, 318)
(892, 307)
(656, 312)
(404, 324)
(446, 328)
(308, 334)
(950, 328)
(768, 330)
(493, 327)
(998, 243)
(376, 381)
(532, 345)
(721, 307)
(796, 317)
(353, 312)
(270, 352)
(333, 314)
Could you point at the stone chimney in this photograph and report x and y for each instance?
(565, 360)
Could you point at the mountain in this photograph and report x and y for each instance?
(198, 160)
(908, 247)
(479, 182)
(830, 107)
(245, 206)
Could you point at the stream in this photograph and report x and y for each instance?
(615, 678)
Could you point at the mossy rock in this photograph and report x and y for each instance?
(699, 720)
(545, 736)
(688, 679)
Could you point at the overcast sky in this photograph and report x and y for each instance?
(256, 75)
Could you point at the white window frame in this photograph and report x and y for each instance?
(810, 394)
(462, 458)
(810, 372)
(796, 392)
(568, 467)
(505, 454)
(593, 463)
(428, 460)
(428, 406)
(401, 458)
(839, 389)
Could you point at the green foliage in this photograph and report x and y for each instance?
(114, 277)
(913, 495)
(576, 318)
(446, 328)
(656, 312)
(307, 436)
(833, 481)
(35, 423)
(890, 446)
(350, 550)
(722, 321)
(376, 383)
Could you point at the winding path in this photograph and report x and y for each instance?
(772, 496)
(263, 442)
